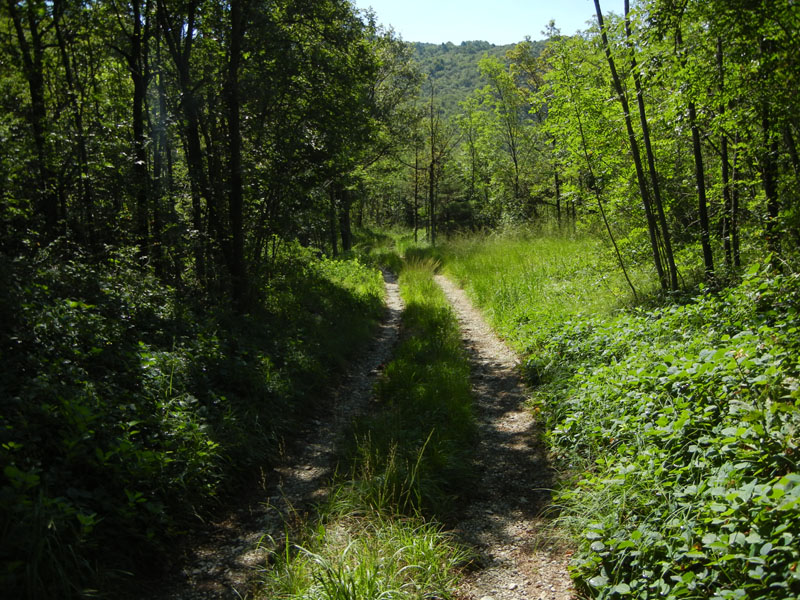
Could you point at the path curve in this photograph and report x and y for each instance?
(224, 561)
(503, 519)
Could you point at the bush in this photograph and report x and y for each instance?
(125, 409)
(686, 420)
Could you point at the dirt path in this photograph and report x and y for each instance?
(224, 561)
(503, 521)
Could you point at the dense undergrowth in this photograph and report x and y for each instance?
(405, 463)
(680, 423)
(126, 408)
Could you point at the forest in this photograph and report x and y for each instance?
(199, 204)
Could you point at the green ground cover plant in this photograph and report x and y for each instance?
(125, 409)
(377, 535)
(679, 423)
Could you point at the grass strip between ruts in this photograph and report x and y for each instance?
(378, 534)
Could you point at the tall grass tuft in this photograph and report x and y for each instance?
(367, 556)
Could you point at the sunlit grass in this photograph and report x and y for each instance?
(527, 284)
(360, 556)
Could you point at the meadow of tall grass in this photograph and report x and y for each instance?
(528, 283)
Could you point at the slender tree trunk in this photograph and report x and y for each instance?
(700, 179)
(558, 199)
(416, 193)
(769, 173)
(215, 158)
(162, 169)
(332, 220)
(76, 107)
(727, 218)
(637, 160)
(596, 192)
(345, 228)
(651, 163)
(708, 257)
(792, 147)
(138, 70)
(769, 166)
(432, 176)
(235, 200)
(180, 38)
(557, 181)
(32, 53)
(735, 181)
(432, 200)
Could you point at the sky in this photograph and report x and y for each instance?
(496, 21)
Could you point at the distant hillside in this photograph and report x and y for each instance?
(454, 68)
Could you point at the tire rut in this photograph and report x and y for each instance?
(223, 562)
(503, 522)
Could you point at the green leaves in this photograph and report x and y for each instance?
(125, 410)
(708, 442)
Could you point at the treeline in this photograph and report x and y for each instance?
(195, 130)
(453, 69)
(671, 128)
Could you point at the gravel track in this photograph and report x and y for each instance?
(502, 521)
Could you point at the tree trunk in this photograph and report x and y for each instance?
(32, 54)
(769, 166)
(557, 181)
(181, 49)
(432, 201)
(345, 228)
(596, 192)
(416, 193)
(235, 201)
(138, 69)
(769, 173)
(727, 217)
(708, 257)
(651, 163)
(792, 147)
(87, 196)
(162, 170)
(735, 181)
(432, 176)
(637, 160)
(332, 221)
(700, 179)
